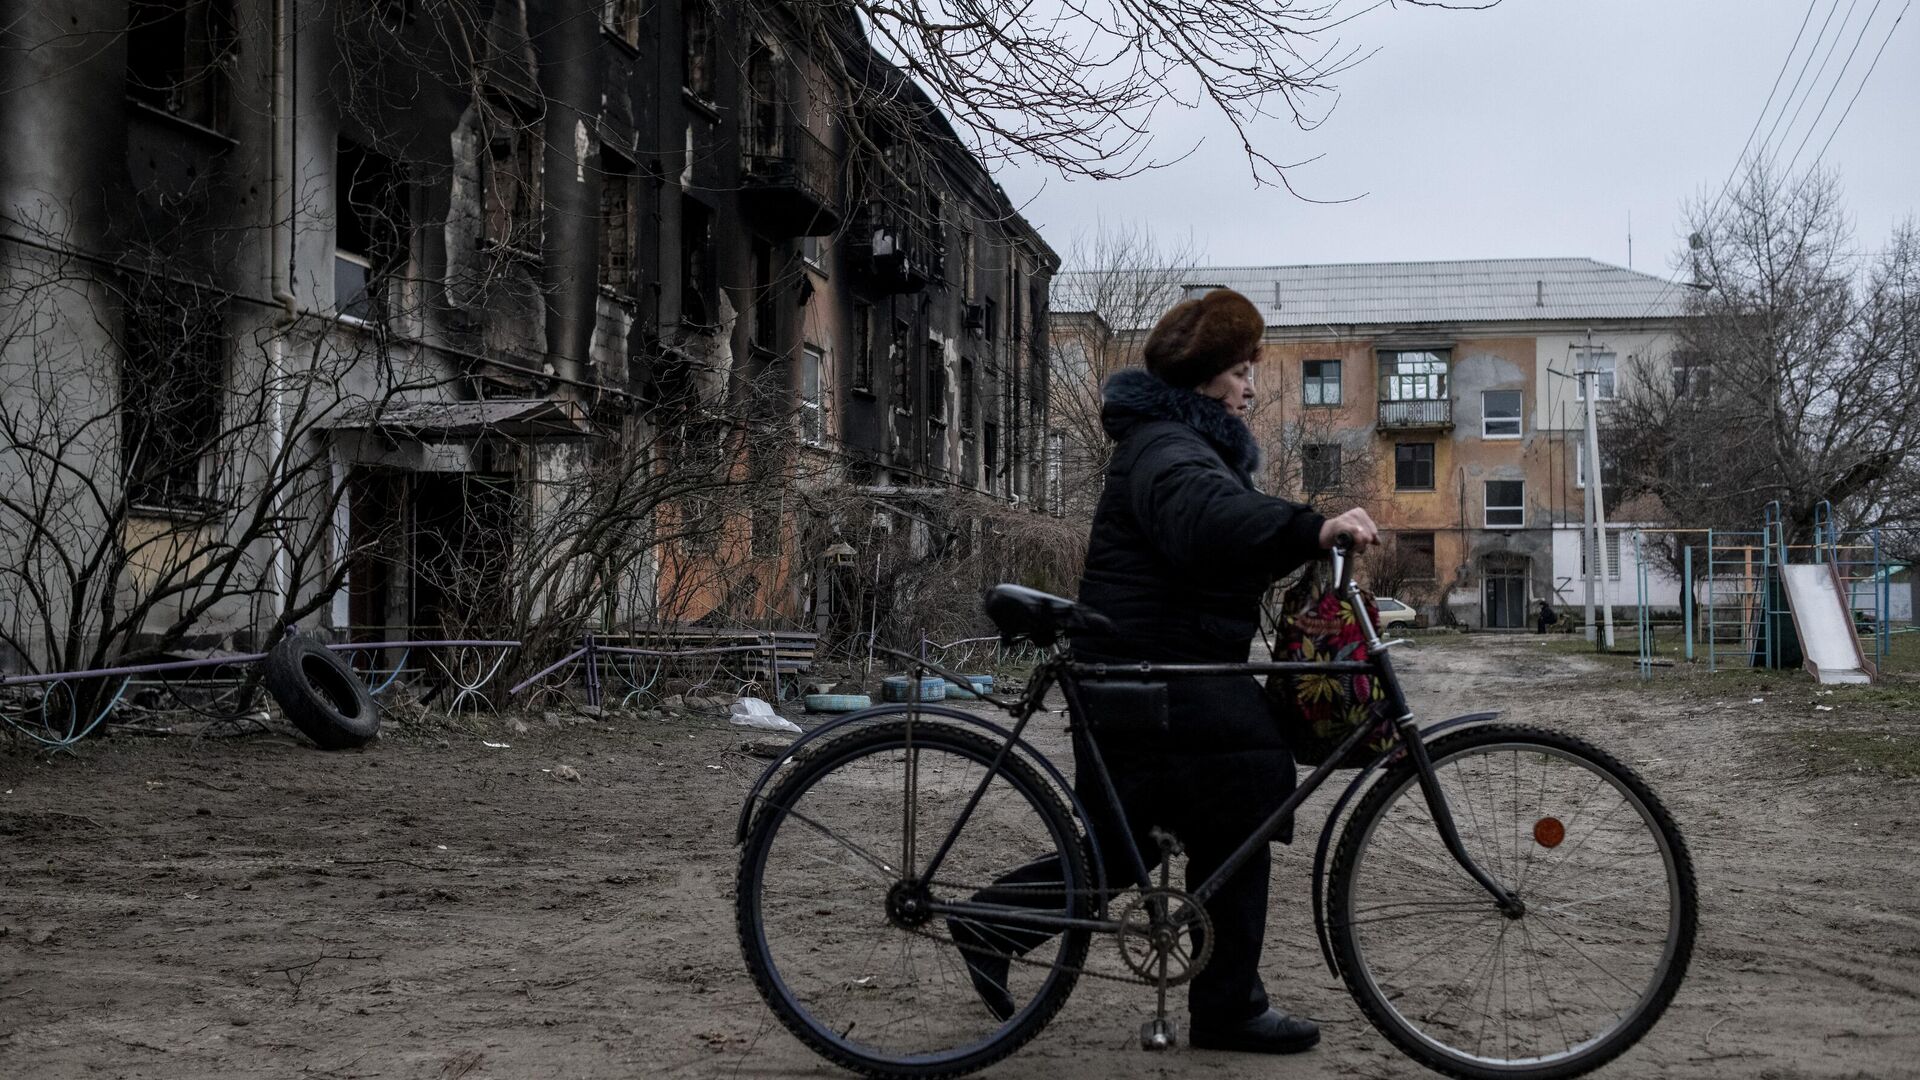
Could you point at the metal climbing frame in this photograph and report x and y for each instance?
(1860, 564)
(1739, 565)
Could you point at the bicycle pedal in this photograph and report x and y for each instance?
(1158, 1034)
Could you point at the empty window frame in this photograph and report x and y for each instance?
(697, 288)
(1500, 414)
(698, 43)
(1506, 504)
(179, 56)
(1320, 383)
(617, 223)
(512, 178)
(172, 384)
(371, 229)
(901, 349)
(968, 408)
(621, 19)
(936, 369)
(1413, 467)
(863, 347)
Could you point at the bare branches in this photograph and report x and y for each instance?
(1794, 375)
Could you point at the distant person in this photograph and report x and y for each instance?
(1545, 617)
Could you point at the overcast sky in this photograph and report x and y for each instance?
(1532, 129)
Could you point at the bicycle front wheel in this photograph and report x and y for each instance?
(1566, 985)
(851, 944)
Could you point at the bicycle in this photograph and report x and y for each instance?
(1505, 902)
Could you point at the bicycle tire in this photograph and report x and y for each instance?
(1387, 1010)
(822, 762)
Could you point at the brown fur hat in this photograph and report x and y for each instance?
(1198, 339)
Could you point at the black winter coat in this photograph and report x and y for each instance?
(1182, 550)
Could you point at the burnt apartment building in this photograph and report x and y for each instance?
(323, 311)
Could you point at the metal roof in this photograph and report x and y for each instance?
(1464, 290)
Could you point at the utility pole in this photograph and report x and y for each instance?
(1596, 500)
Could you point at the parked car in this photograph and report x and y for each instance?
(1395, 613)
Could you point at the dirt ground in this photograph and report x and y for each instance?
(435, 908)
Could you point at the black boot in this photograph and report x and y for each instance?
(986, 966)
(1272, 1032)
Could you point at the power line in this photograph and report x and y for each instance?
(1727, 184)
(1797, 79)
(1838, 78)
(1815, 83)
(1863, 85)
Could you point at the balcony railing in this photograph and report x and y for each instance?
(1416, 414)
(898, 252)
(792, 183)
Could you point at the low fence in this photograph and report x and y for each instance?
(59, 709)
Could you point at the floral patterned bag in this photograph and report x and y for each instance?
(1317, 712)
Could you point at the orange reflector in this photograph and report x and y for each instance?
(1548, 832)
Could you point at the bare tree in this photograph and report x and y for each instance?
(1795, 371)
(1115, 284)
(1077, 87)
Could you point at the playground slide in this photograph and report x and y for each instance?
(1825, 625)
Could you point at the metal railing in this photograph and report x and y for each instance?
(1416, 414)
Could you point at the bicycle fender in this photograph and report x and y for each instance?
(1359, 781)
(1053, 772)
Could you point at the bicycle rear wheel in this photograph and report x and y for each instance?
(839, 938)
(1569, 984)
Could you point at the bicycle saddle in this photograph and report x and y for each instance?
(1020, 612)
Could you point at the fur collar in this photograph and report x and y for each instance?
(1135, 396)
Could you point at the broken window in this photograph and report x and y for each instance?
(967, 406)
(696, 264)
(863, 347)
(696, 30)
(512, 180)
(180, 56)
(812, 425)
(171, 381)
(902, 367)
(621, 18)
(617, 226)
(766, 314)
(990, 455)
(372, 233)
(936, 369)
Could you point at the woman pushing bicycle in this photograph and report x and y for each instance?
(1181, 551)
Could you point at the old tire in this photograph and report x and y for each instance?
(901, 688)
(320, 694)
(836, 703)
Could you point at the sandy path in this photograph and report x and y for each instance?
(445, 911)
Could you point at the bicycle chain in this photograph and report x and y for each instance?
(1082, 971)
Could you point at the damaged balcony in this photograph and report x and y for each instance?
(790, 182)
(893, 243)
(1413, 415)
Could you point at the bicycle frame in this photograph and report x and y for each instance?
(1067, 673)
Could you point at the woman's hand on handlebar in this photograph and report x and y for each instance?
(1354, 526)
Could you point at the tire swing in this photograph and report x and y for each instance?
(320, 694)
